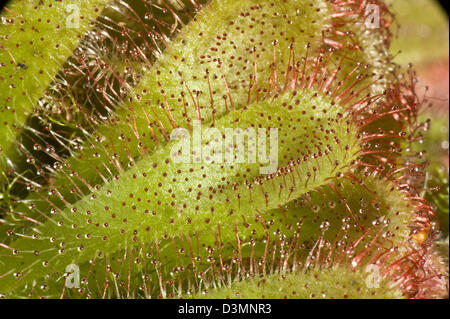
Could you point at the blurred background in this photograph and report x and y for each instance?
(422, 39)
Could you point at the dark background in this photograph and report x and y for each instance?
(443, 3)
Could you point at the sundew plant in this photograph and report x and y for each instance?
(215, 149)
